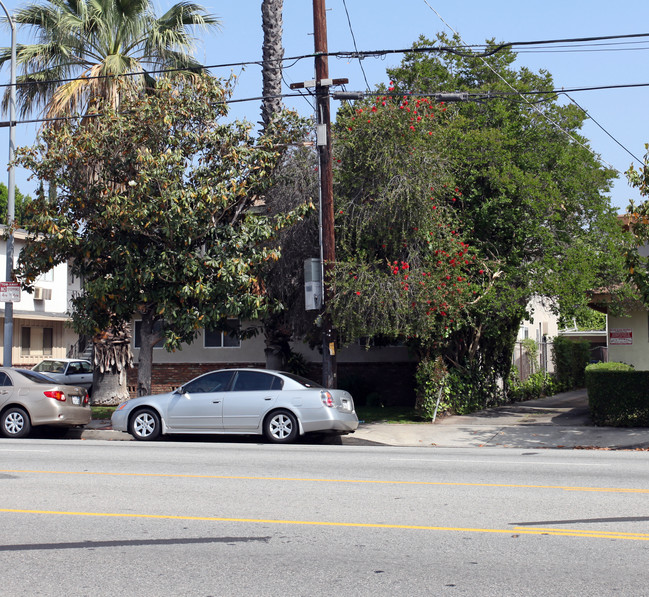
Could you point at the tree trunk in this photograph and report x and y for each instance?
(110, 388)
(148, 339)
(112, 357)
(278, 349)
(273, 52)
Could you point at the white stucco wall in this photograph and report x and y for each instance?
(37, 314)
(636, 353)
(542, 322)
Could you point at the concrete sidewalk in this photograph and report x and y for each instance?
(561, 421)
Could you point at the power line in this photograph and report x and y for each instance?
(637, 159)
(461, 50)
(351, 30)
(531, 104)
(482, 95)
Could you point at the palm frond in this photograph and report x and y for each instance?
(88, 38)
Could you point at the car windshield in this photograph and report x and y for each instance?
(35, 377)
(307, 383)
(50, 367)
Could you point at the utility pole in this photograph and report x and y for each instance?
(11, 194)
(328, 248)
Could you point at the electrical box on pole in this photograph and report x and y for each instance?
(312, 284)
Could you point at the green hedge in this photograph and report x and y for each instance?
(618, 395)
(570, 359)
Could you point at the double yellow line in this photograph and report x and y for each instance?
(316, 480)
(512, 532)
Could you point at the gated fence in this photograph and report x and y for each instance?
(527, 364)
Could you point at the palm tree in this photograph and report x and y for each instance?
(273, 53)
(82, 46)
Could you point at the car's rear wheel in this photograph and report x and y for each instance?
(15, 422)
(280, 427)
(145, 425)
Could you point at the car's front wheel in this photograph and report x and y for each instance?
(145, 425)
(15, 422)
(280, 427)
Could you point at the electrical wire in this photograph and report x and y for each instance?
(488, 51)
(636, 158)
(481, 96)
(531, 104)
(360, 60)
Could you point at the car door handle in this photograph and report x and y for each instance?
(216, 401)
(268, 398)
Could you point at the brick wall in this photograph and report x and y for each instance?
(389, 384)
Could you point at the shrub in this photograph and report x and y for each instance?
(466, 393)
(618, 395)
(537, 385)
(297, 364)
(431, 377)
(570, 360)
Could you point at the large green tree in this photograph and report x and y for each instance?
(512, 184)
(93, 53)
(637, 222)
(533, 197)
(403, 268)
(83, 46)
(22, 201)
(152, 210)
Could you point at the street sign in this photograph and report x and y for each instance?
(9, 292)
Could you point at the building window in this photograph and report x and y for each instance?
(48, 341)
(137, 334)
(46, 277)
(36, 341)
(25, 342)
(223, 338)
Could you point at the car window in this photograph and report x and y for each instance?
(211, 382)
(36, 377)
(254, 381)
(73, 369)
(4, 379)
(50, 367)
(85, 367)
(307, 383)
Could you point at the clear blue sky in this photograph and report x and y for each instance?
(385, 24)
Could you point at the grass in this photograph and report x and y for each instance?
(389, 414)
(102, 412)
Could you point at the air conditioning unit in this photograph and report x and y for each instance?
(42, 294)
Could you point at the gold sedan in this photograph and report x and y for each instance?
(28, 399)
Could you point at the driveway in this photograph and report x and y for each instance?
(561, 421)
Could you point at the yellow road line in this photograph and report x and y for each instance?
(515, 531)
(352, 481)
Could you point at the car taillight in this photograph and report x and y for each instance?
(86, 399)
(56, 394)
(327, 399)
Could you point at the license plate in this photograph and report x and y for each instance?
(76, 400)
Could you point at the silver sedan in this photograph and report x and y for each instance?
(28, 399)
(278, 405)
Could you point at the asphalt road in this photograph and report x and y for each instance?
(212, 518)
